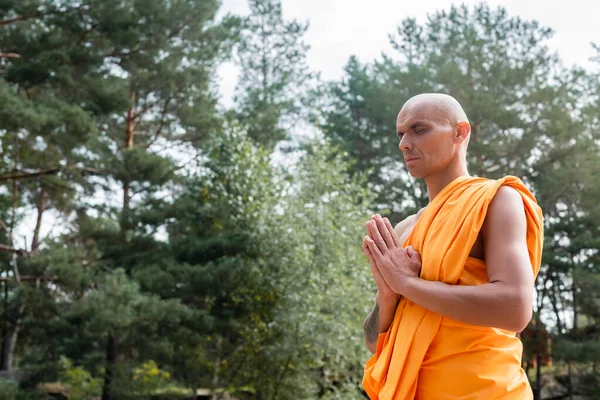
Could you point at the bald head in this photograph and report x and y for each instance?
(437, 105)
(434, 133)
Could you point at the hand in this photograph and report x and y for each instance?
(383, 289)
(393, 264)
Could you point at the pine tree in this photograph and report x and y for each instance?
(275, 79)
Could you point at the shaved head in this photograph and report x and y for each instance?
(434, 133)
(438, 105)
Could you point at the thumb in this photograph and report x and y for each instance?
(413, 254)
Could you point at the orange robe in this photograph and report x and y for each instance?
(426, 356)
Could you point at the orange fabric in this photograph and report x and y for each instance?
(426, 356)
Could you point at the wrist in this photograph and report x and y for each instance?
(408, 286)
(386, 298)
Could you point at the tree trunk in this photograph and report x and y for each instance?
(575, 316)
(9, 343)
(35, 243)
(9, 339)
(570, 380)
(109, 374)
(129, 135)
(537, 394)
(215, 379)
(130, 128)
(125, 197)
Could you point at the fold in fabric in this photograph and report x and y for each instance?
(426, 356)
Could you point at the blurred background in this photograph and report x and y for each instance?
(184, 185)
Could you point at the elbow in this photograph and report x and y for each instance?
(522, 320)
(522, 312)
(372, 347)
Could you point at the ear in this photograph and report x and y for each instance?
(463, 130)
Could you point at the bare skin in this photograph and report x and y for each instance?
(386, 300)
(434, 134)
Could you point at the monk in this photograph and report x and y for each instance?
(455, 280)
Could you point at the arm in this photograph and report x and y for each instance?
(506, 301)
(386, 300)
(379, 319)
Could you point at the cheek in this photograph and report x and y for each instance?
(438, 150)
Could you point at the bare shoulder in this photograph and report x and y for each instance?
(405, 224)
(506, 211)
(404, 227)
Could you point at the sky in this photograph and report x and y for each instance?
(341, 28)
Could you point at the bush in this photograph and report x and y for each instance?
(8, 390)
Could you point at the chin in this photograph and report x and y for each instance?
(416, 174)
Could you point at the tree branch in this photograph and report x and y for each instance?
(21, 18)
(46, 172)
(121, 53)
(163, 115)
(30, 278)
(29, 174)
(9, 249)
(36, 15)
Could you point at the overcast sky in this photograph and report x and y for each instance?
(341, 28)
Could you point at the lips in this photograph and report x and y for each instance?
(409, 159)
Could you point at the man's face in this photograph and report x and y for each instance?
(426, 139)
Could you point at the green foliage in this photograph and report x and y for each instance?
(8, 390)
(79, 382)
(182, 255)
(530, 117)
(323, 279)
(495, 65)
(274, 74)
(149, 378)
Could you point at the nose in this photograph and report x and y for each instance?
(405, 144)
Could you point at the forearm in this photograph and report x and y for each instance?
(379, 319)
(491, 304)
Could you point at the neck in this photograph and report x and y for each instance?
(436, 182)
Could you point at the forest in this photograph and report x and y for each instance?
(157, 244)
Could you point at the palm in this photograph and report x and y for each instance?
(382, 286)
(391, 264)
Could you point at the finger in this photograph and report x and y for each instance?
(385, 233)
(413, 254)
(395, 237)
(376, 237)
(375, 252)
(365, 248)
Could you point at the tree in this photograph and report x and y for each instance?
(495, 65)
(99, 87)
(530, 117)
(274, 75)
(46, 121)
(160, 57)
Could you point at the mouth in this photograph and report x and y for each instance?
(410, 159)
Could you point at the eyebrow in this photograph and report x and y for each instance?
(412, 126)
